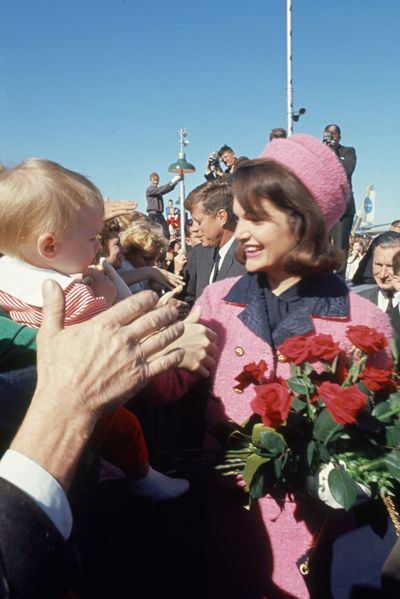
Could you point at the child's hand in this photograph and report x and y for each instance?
(101, 284)
(122, 288)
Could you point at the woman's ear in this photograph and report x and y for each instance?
(47, 246)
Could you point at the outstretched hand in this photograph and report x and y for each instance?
(104, 361)
(115, 208)
(198, 341)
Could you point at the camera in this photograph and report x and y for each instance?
(328, 139)
(213, 160)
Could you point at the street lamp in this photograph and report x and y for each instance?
(180, 167)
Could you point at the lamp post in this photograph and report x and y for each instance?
(291, 115)
(180, 167)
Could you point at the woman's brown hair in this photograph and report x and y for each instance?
(259, 179)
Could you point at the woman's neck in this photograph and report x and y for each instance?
(278, 284)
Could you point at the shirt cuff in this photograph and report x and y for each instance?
(43, 488)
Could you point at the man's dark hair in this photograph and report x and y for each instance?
(388, 239)
(213, 196)
(336, 127)
(223, 149)
(277, 132)
(395, 223)
(153, 174)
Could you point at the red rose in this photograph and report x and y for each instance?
(252, 374)
(343, 403)
(295, 349)
(323, 347)
(367, 339)
(272, 402)
(378, 379)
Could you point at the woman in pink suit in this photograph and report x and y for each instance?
(285, 203)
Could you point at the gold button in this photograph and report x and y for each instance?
(239, 351)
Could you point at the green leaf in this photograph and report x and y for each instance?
(326, 428)
(393, 436)
(381, 408)
(342, 487)
(256, 432)
(254, 462)
(273, 442)
(307, 368)
(392, 461)
(267, 438)
(298, 385)
(298, 404)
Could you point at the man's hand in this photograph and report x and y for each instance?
(115, 208)
(102, 362)
(88, 369)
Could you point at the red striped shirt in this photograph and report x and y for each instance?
(80, 304)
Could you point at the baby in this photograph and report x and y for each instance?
(50, 219)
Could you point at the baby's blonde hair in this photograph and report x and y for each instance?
(40, 196)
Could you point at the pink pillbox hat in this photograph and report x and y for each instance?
(317, 167)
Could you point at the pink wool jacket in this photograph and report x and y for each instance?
(236, 310)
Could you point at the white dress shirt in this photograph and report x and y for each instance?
(43, 488)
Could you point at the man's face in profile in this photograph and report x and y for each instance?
(209, 227)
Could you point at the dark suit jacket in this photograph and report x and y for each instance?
(199, 269)
(35, 561)
(348, 159)
(371, 294)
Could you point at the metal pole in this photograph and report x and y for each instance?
(289, 66)
(182, 208)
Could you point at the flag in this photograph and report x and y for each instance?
(366, 211)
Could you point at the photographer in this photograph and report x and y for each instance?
(213, 167)
(340, 232)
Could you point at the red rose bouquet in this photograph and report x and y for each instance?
(336, 414)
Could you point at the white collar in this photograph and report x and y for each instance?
(383, 299)
(225, 249)
(24, 281)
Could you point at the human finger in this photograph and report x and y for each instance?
(160, 340)
(129, 309)
(164, 299)
(153, 321)
(165, 362)
(194, 315)
(53, 309)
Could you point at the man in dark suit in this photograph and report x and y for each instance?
(383, 294)
(341, 230)
(215, 223)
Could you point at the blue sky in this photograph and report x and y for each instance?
(102, 86)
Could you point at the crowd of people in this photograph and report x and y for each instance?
(119, 350)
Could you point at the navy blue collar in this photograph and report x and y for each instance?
(326, 296)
